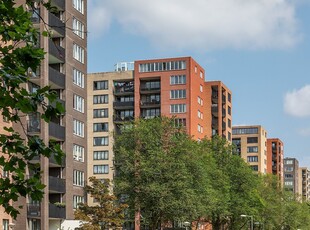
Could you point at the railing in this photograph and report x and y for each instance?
(149, 88)
(56, 212)
(56, 131)
(57, 185)
(123, 104)
(59, 3)
(153, 102)
(118, 118)
(34, 210)
(57, 51)
(34, 125)
(56, 77)
(56, 24)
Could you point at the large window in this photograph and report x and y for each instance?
(180, 122)
(178, 108)
(252, 159)
(78, 178)
(162, 66)
(5, 224)
(78, 78)
(79, 5)
(100, 113)
(101, 141)
(150, 113)
(78, 128)
(177, 79)
(78, 53)
(78, 153)
(178, 94)
(101, 169)
(252, 149)
(254, 167)
(77, 200)
(101, 99)
(288, 162)
(78, 103)
(252, 140)
(101, 155)
(78, 28)
(99, 85)
(101, 127)
(237, 131)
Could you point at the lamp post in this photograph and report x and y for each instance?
(251, 217)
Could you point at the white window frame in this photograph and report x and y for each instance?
(78, 128)
(79, 5)
(77, 200)
(178, 108)
(78, 153)
(78, 78)
(78, 178)
(101, 169)
(178, 94)
(78, 103)
(103, 142)
(101, 155)
(78, 27)
(78, 53)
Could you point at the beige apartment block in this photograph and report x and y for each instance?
(304, 183)
(64, 69)
(251, 144)
(110, 102)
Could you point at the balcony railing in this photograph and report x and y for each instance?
(118, 118)
(57, 212)
(56, 185)
(223, 125)
(34, 126)
(57, 53)
(149, 88)
(56, 131)
(56, 25)
(59, 3)
(33, 210)
(123, 104)
(223, 99)
(56, 78)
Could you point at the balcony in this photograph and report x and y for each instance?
(215, 123)
(223, 112)
(223, 99)
(123, 105)
(150, 104)
(33, 210)
(56, 26)
(56, 79)
(144, 89)
(56, 185)
(53, 163)
(56, 53)
(59, 4)
(56, 131)
(214, 110)
(126, 88)
(274, 168)
(120, 119)
(223, 125)
(56, 212)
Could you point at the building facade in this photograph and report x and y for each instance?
(275, 155)
(291, 175)
(251, 145)
(304, 183)
(64, 69)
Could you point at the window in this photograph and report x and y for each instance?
(201, 88)
(180, 122)
(288, 175)
(288, 162)
(101, 99)
(78, 53)
(78, 178)
(229, 123)
(229, 97)
(199, 100)
(78, 28)
(101, 155)
(177, 79)
(195, 69)
(237, 131)
(201, 74)
(200, 128)
(288, 169)
(101, 127)
(162, 66)
(178, 108)
(78, 153)
(252, 140)
(252, 159)
(199, 114)
(236, 141)
(252, 149)
(101, 169)
(78, 103)
(78, 128)
(78, 78)
(77, 200)
(101, 141)
(229, 136)
(100, 113)
(5, 223)
(99, 85)
(178, 94)
(79, 5)
(288, 183)
(150, 113)
(229, 110)
(33, 87)
(254, 167)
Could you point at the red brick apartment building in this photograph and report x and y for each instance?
(275, 155)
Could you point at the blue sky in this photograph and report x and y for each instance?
(259, 48)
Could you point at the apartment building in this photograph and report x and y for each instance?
(251, 145)
(275, 155)
(291, 175)
(219, 109)
(63, 69)
(110, 102)
(304, 183)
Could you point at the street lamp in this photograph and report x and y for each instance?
(261, 225)
(186, 224)
(251, 217)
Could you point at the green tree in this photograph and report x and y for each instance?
(108, 213)
(153, 159)
(19, 56)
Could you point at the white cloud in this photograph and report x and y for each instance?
(297, 102)
(203, 24)
(99, 19)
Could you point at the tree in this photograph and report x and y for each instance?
(19, 58)
(153, 166)
(109, 213)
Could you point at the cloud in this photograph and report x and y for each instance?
(204, 24)
(297, 102)
(304, 132)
